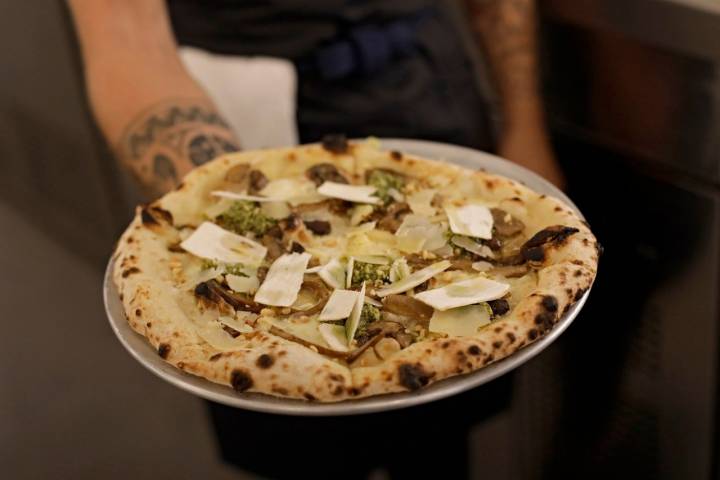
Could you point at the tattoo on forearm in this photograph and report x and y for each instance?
(169, 139)
(507, 29)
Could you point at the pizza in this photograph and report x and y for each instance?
(339, 270)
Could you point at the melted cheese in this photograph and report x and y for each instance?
(351, 193)
(333, 273)
(460, 322)
(472, 246)
(414, 279)
(473, 220)
(243, 196)
(283, 280)
(465, 292)
(214, 243)
(339, 305)
(420, 202)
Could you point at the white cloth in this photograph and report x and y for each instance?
(256, 95)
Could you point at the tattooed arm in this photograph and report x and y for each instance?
(158, 120)
(506, 30)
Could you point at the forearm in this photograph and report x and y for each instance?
(507, 32)
(159, 122)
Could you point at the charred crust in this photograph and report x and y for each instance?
(545, 320)
(510, 336)
(555, 234)
(146, 217)
(265, 361)
(580, 293)
(216, 357)
(130, 239)
(474, 350)
(309, 396)
(148, 324)
(577, 273)
(497, 344)
(138, 312)
(413, 377)
(240, 380)
(175, 248)
(257, 181)
(130, 271)
(335, 143)
(338, 390)
(296, 247)
(445, 344)
(550, 303)
(532, 334)
(354, 391)
(163, 350)
(395, 155)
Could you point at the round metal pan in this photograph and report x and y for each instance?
(148, 357)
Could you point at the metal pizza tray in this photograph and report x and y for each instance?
(148, 357)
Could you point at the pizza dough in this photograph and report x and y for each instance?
(336, 271)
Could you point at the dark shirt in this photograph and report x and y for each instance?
(370, 67)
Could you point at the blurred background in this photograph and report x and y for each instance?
(632, 90)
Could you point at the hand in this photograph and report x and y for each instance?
(530, 147)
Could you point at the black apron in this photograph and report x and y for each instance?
(382, 68)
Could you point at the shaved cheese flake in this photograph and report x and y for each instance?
(420, 202)
(472, 246)
(242, 284)
(399, 270)
(353, 321)
(333, 273)
(339, 305)
(334, 336)
(466, 292)
(482, 266)
(194, 274)
(283, 280)
(215, 243)
(351, 193)
(472, 220)
(296, 191)
(314, 269)
(415, 227)
(276, 210)
(243, 196)
(348, 275)
(460, 322)
(236, 324)
(359, 213)
(414, 279)
(396, 195)
(362, 228)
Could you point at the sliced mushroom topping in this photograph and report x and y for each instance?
(325, 172)
(499, 307)
(296, 247)
(274, 245)
(212, 290)
(318, 290)
(505, 224)
(257, 182)
(511, 271)
(318, 227)
(393, 217)
(407, 307)
(386, 347)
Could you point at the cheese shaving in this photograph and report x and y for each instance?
(334, 336)
(414, 279)
(353, 321)
(339, 305)
(215, 243)
(283, 280)
(420, 202)
(351, 193)
(466, 292)
(473, 220)
(242, 284)
(333, 273)
(472, 246)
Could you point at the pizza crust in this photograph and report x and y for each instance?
(268, 364)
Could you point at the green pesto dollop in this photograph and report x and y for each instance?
(384, 180)
(375, 275)
(368, 315)
(243, 217)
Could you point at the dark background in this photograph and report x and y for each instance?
(630, 391)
